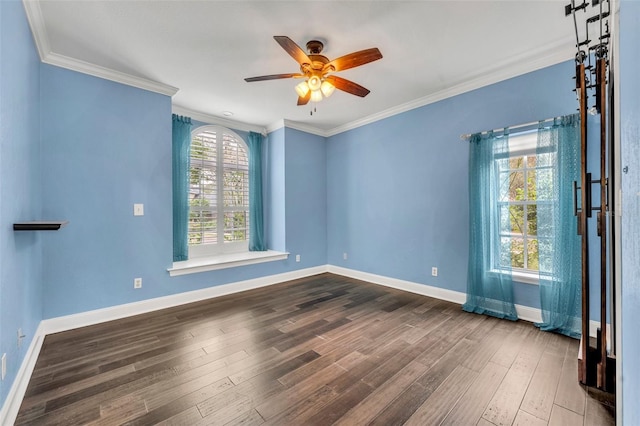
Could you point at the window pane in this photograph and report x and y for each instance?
(516, 186)
(517, 252)
(545, 184)
(516, 218)
(219, 188)
(236, 188)
(505, 219)
(531, 161)
(505, 182)
(545, 263)
(203, 189)
(516, 162)
(532, 220)
(532, 254)
(236, 226)
(505, 252)
(544, 219)
(503, 164)
(531, 185)
(202, 227)
(545, 159)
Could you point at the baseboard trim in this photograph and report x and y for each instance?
(83, 319)
(411, 287)
(16, 392)
(15, 396)
(525, 313)
(54, 325)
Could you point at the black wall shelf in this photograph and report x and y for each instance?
(40, 225)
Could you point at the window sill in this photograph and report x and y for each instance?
(525, 278)
(232, 260)
(522, 277)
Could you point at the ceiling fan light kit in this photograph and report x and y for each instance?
(316, 69)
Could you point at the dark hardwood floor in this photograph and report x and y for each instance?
(316, 351)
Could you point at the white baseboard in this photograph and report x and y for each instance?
(54, 325)
(12, 404)
(69, 322)
(525, 313)
(422, 289)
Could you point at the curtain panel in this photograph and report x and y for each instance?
(256, 212)
(489, 277)
(181, 145)
(559, 245)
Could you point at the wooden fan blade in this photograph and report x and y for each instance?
(303, 100)
(348, 86)
(355, 59)
(272, 77)
(293, 49)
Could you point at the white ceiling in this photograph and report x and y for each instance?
(205, 49)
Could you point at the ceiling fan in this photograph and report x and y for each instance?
(316, 69)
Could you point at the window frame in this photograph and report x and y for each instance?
(522, 144)
(220, 247)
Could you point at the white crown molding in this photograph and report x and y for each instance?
(39, 31)
(38, 27)
(514, 66)
(108, 74)
(296, 126)
(220, 121)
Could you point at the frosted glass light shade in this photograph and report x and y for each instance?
(316, 96)
(302, 89)
(327, 88)
(314, 82)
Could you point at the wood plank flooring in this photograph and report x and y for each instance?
(315, 351)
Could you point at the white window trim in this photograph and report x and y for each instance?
(520, 276)
(223, 261)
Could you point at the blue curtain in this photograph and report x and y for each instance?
(489, 279)
(560, 255)
(181, 144)
(256, 218)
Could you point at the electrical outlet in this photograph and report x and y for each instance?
(297, 258)
(137, 283)
(344, 256)
(434, 271)
(4, 365)
(138, 209)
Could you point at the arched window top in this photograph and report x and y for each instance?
(209, 130)
(218, 192)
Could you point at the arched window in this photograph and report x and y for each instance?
(218, 192)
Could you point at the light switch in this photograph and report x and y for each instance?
(138, 209)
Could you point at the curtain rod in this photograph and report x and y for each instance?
(467, 136)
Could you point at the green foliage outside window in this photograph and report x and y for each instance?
(519, 211)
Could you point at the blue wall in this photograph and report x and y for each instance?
(20, 252)
(306, 216)
(108, 146)
(398, 188)
(275, 184)
(630, 157)
(392, 194)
